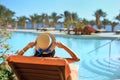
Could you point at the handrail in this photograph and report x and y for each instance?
(104, 45)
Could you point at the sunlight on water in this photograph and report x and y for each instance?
(95, 63)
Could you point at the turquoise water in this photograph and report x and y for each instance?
(97, 63)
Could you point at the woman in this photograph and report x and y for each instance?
(45, 47)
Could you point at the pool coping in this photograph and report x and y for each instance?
(58, 33)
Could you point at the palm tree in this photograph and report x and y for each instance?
(35, 19)
(66, 16)
(12, 22)
(5, 15)
(118, 17)
(54, 17)
(22, 21)
(2, 11)
(105, 22)
(15, 23)
(75, 17)
(98, 14)
(68, 20)
(9, 14)
(47, 22)
(113, 24)
(43, 19)
(85, 21)
(91, 22)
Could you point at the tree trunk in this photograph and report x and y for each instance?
(98, 23)
(34, 25)
(68, 31)
(25, 25)
(16, 24)
(112, 28)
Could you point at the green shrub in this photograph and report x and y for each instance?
(5, 71)
(6, 74)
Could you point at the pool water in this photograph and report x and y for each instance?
(98, 61)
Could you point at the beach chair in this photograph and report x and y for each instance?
(38, 68)
(118, 32)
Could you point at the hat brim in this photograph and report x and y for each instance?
(53, 41)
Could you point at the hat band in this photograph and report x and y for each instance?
(46, 50)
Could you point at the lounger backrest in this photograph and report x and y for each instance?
(37, 68)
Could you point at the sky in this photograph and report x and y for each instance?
(84, 8)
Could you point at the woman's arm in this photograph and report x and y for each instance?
(30, 45)
(72, 54)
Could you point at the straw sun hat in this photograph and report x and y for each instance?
(45, 43)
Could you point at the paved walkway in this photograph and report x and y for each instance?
(103, 34)
(109, 34)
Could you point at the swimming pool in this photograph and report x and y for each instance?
(99, 60)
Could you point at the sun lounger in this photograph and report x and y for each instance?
(37, 68)
(118, 32)
(42, 29)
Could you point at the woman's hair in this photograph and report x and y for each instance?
(45, 55)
